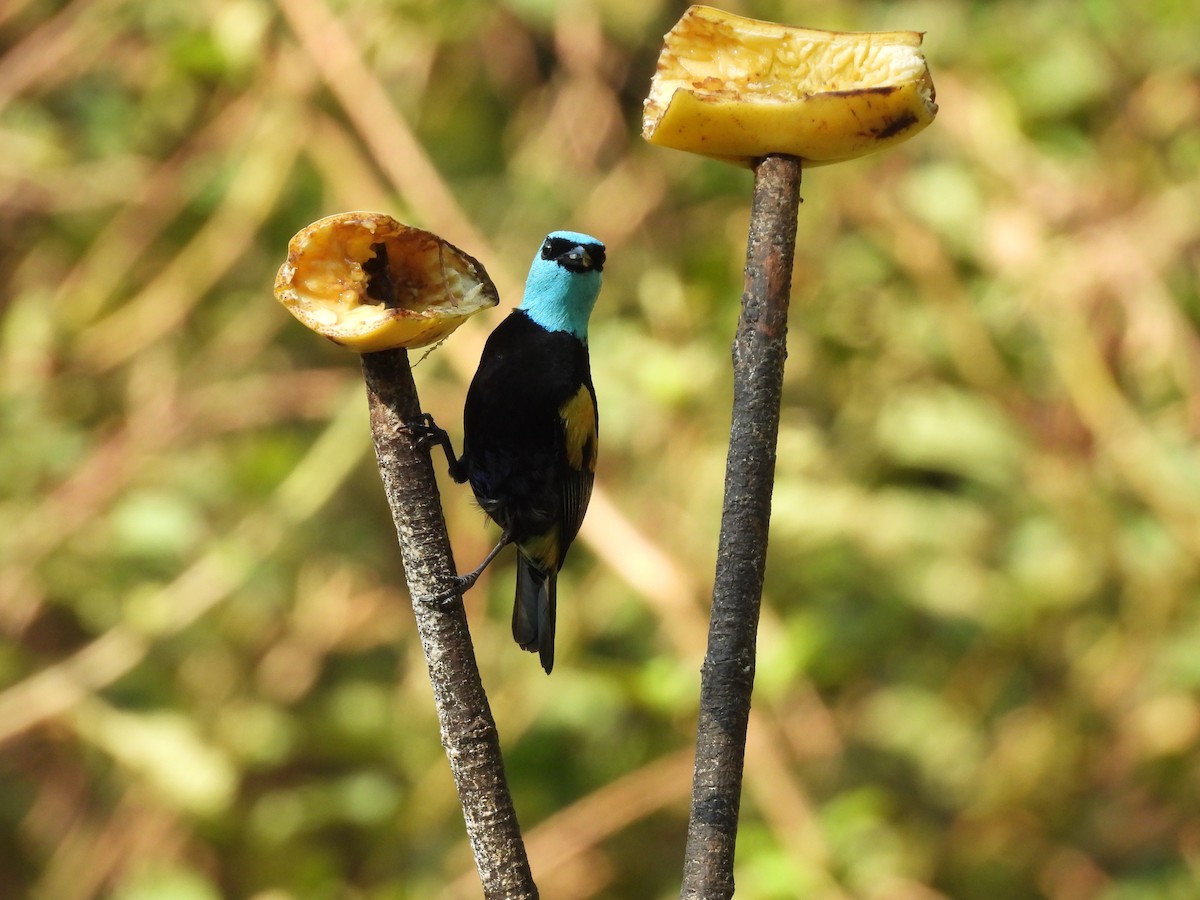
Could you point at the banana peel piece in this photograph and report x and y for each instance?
(369, 283)
(738, 89)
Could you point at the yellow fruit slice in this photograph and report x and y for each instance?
(738, 89)
(368, 282)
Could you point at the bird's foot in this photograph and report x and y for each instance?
(459, 585)
(425, 432)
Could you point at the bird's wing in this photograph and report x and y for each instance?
(580, 442)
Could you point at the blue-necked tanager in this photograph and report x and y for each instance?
(530, 429)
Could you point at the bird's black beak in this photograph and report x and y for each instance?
(577, 259)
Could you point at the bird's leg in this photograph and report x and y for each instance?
(463, 583)
(466, 582)
(428, 434)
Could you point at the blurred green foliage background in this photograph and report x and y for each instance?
(980, 647)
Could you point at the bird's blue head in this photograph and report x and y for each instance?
(564, 282)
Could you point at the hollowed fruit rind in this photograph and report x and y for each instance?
(369, 283)
(739, 89)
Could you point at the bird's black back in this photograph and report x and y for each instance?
(514, 446)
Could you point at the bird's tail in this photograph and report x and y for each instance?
(534, 610)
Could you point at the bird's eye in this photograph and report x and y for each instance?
(556, 247)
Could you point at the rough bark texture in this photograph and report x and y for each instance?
(727, 677)
(468, 730)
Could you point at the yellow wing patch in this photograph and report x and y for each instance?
(579, 427)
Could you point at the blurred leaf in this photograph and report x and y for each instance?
(152, 523)
(945, 430)
(161, 883)
(166, 749)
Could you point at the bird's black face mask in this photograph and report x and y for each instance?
(572, 256)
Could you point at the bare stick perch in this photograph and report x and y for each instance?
(727, 678)
(772, 97)
(469, 733)
(378, 286)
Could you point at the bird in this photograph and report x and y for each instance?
(531, 429)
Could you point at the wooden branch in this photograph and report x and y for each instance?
(469, 733)
(727, 678)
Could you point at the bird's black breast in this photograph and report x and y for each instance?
(514, 445)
